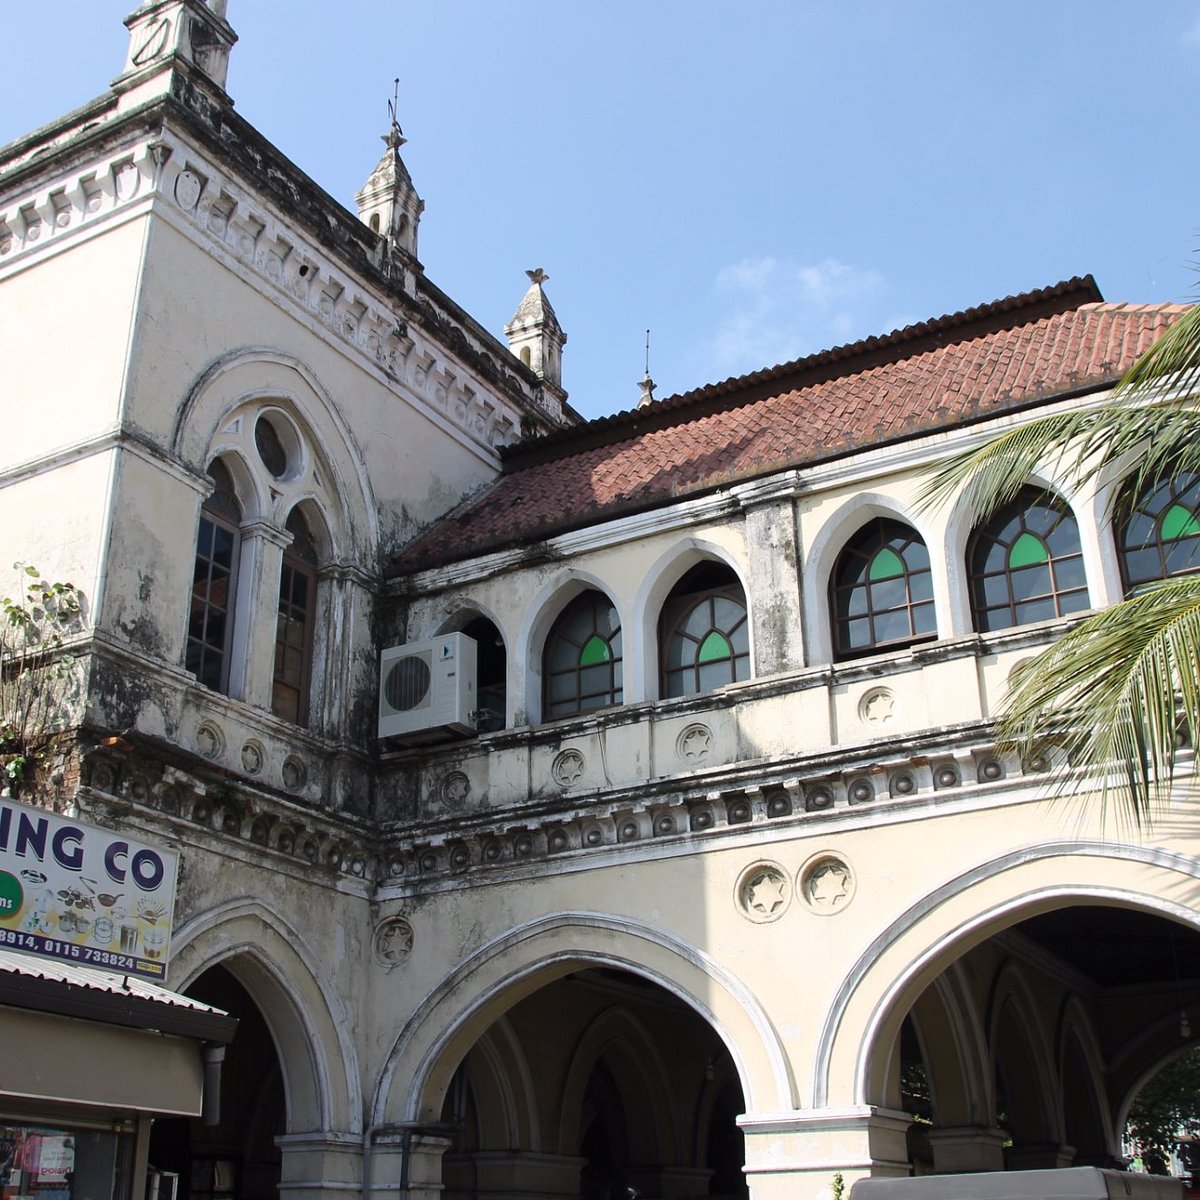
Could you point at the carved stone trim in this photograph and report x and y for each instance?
(763, 892)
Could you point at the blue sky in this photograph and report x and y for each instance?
(752, 180)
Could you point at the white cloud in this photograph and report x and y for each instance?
(777, 310)
(1191, 35)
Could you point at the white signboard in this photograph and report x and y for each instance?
(74, 891)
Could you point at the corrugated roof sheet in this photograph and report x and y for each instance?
(32, 966)
(954, 370)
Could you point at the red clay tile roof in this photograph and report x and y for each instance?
(954, 370)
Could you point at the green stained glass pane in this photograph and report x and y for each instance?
(1178, 522)
(595, 651)
(886, 564)
(1026, 551)
(715, 646)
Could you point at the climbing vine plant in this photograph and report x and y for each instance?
(34, 669)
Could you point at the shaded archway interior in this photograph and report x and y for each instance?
(601, 1085)
(1027, 1050)
(236, 1159)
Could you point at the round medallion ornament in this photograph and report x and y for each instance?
(210, 741)
(568, 768)
(294, 773)
(763, 892)
(456, 787)
(877, 707)
(826, 883)
(694, 744)
(393, 942)
(252, 758)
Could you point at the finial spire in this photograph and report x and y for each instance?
(388, 202)
(394, 138)
(646, 384)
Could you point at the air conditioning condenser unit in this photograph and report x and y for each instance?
(426, 687)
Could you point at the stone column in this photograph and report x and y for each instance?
(252, 665)
(798, 1155)
(959, 1148)
(320, 1166)
(408, 1163)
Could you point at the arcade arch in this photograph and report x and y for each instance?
(1026, 998)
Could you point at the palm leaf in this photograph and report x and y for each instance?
(1114, 691)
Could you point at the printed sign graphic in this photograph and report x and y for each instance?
(74, 891)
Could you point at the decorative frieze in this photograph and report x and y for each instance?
(604, 821)
(296, 274)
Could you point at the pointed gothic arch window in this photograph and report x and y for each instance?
(294, 626)
(581, 665)
(1026, 564)
(704, 634)
(1161, 536)
(214, 582)
(882, 591)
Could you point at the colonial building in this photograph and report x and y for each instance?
(669, 851)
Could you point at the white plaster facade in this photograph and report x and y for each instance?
(743, 892)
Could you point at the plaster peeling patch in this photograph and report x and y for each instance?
(763, 892)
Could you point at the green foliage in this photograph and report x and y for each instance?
(1117, 689)
(1168, 1106)
(33, 669)
(838, 1188)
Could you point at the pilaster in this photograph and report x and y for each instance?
(796, 1156)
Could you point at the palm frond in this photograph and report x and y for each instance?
(1175, 357)
(1114, 691)
(1149, 442)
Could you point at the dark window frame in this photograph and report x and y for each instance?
(295, 625)
(1176, 489)
(208, 655)
(683, 601)
(855, 592)
(584, 696)
(1041, 516)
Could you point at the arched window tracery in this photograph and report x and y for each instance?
(882, 590)
(582, 662)
(704, 632)
(1026, 564)
(1161, 536)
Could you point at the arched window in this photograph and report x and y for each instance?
(214, 583)
(294, 627)
(582, 660)
(704, 636)
(882, 591)
(1026, 564)
(1162, 535)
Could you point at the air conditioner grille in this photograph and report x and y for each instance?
(407, 684)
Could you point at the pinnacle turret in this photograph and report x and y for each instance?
(535, 336)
